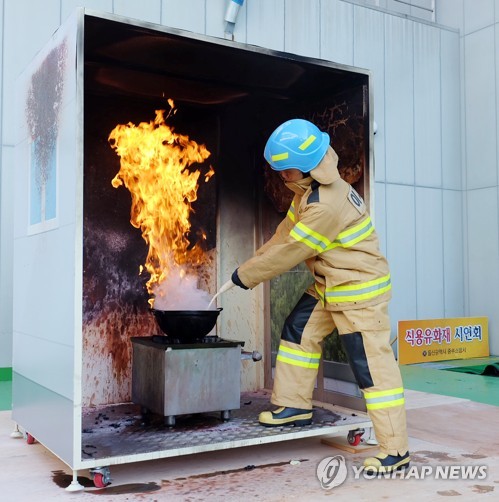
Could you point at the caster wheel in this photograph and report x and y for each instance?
(145, 416)
(169, 420)
(100, 481)
(354, 438)
(101, 476)
(30, 439)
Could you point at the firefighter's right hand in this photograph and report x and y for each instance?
(237, 281)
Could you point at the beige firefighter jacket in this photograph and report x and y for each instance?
(328, 227)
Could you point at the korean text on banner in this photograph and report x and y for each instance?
(442, 339)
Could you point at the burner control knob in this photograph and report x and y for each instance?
(255, 355)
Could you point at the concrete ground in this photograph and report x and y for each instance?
(444, 432)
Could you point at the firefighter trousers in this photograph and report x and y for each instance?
(365, 334)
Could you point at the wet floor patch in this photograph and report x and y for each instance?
(426, 456)
(275, 465)
(63, 480)
(127, 489)
(483, 488)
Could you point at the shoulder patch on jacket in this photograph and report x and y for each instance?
(356, 201)
(314, 195)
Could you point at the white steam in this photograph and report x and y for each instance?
(180, 292)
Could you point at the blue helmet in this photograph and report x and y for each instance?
(296, 144)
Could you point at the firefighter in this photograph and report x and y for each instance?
(328, 227)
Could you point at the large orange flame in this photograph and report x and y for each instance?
(154, 167)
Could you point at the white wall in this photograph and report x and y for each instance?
(416, 68)
(6, 231)
(477, 21)
(45, 262)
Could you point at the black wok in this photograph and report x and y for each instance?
(186, 325)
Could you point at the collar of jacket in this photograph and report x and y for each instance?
(299, 187)
(325, 173)
(327, 170)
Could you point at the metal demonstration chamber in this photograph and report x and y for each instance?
(83, 245)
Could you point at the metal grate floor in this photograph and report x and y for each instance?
(119, 433)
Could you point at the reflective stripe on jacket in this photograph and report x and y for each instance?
(328, 227)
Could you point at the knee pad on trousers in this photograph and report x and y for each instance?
(354, 347)
(294, 325)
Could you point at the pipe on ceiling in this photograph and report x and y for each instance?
(231, 17)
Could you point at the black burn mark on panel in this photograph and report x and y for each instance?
(115, 299)
(43, 105)
(113, 249)
(228, 98)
